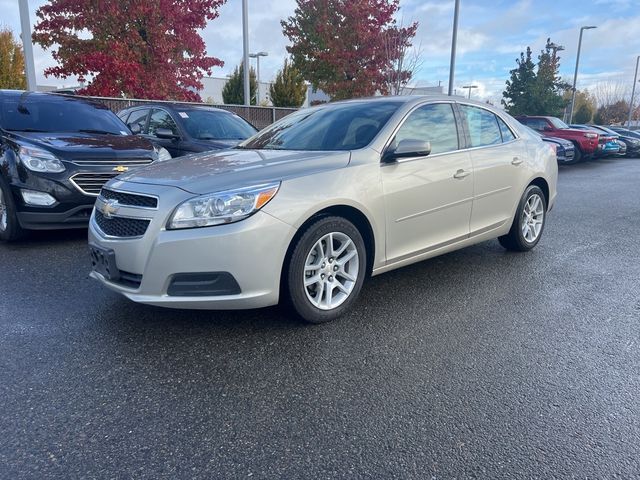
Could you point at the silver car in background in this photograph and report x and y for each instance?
(306, 209)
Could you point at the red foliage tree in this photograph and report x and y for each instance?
(342, 46)
(136, 48)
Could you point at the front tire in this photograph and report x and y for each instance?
(326, 270)
(528, 224)
(10, 228)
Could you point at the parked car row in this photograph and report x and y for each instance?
(588, 141)
(56, 152)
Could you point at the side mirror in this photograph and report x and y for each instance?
(135, 128)
(166, 134)
(408, 148)
(547, 128)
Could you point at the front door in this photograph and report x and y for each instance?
(428, 199)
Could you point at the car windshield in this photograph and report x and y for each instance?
(211, 125)
(558, 123)
(343, 126)
(54, 113)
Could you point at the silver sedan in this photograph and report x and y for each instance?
(308, 208)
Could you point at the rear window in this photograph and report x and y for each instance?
(53, 113)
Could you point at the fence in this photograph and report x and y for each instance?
(259, 117)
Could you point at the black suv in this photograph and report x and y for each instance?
(56, 152)
(184, 128)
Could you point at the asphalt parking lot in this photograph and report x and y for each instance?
(477, 364)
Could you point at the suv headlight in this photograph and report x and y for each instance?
(162, 154)
(39, 160)
(222, 207)
(591, 135)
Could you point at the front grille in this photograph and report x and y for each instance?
(113, 162)
(120, 226)
(129, 199)
(91, 183)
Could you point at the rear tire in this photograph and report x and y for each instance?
(528, 224)
(10, 229)
(326, 270)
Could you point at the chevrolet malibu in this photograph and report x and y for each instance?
(305, 210)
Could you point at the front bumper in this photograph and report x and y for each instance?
(252, 251)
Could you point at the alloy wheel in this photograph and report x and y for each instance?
(331, 270)
(532, 218)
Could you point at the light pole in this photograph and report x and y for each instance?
(27, 46)
(575, 75)
(469, 87)
(257, 57)
(454, 42)
(633, 92)
(245, 52)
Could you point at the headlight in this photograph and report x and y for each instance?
(633, 141)
(591, 135)
(162, 154)
(39, 160)
(223, 207)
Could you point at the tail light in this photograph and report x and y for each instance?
(554, 148)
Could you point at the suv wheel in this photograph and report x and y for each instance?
(528, 223)
(326, 270)
(9, 226)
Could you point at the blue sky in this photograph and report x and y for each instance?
(491, 35)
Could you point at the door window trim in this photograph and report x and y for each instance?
(146, 120)
(402, 122)
(468, 135)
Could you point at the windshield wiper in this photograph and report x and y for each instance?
(25, 130)
(101, 132)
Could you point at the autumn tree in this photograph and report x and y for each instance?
(404, 61)
(340, 46)
(233, 90)
(616, 112)
(289, 88)
(11, 62)
(137, 49)
(585, 107)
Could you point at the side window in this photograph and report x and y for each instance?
(161, 119)
(139, 118)
(507, 134)
(483, 126)
(434, 123)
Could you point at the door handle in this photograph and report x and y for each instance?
(516, 161)
(460, 174)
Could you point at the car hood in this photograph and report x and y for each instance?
(69, 146)
(559, 141)
(219, 170)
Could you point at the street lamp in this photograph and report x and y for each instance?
(633, 92)
(257, 57)
(27, 46)
(245, 52)
(575, 75)
(454, 42)
(469, 87)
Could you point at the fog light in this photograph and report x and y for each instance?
(31, 197)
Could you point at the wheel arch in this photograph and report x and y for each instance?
(354, 215)
(541, 183)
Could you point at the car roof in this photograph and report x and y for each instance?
(51, 95)
(178, 107)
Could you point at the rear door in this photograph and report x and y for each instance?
(427, 199)
(499, 168)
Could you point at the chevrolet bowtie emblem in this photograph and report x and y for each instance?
(108, 208)
(120, 169)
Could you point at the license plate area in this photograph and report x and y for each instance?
(103, 261)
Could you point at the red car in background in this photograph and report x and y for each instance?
(587, 142)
